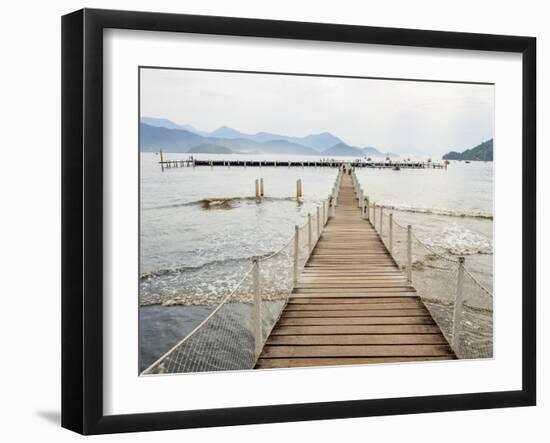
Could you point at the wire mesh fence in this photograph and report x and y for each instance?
(233, 334)
(223, 341)
(466, 321)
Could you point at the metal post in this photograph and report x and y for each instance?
(296, 252)
(261, 186)
(459, 306)
(391, 233)
(258, 339)
(409, 254)
(309, 233)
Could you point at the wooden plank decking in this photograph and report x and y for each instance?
(352, 304)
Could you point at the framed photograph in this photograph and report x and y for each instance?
(268, 221)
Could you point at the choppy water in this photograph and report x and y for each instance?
(200, 228)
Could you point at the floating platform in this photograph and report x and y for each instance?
(300, 164)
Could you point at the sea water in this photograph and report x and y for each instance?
(200, 227)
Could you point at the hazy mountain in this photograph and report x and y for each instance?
(160, 123)
(319, 142)
(343, 150)
(154, 138)
(210, 148)
(169, 124)
(226, 132)
(370, 151)
(483, 152)
(286, 147)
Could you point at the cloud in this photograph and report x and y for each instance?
(398, 116)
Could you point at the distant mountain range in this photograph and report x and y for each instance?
(482, 152)
(160, 133)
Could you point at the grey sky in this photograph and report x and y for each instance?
(396, 116)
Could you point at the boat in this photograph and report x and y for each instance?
(467, 161)
(396, 168)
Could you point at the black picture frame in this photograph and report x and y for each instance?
(82, 220)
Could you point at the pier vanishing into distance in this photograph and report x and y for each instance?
(334, 294)
(351, 303)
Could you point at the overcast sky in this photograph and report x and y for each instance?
(394, 116)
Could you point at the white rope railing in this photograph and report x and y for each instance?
(232, 336)
(459, 319)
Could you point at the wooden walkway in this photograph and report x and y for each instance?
(352, 304)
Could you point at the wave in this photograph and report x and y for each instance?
(222, 202)
(196, 268)
(201, 267)
(440, 211)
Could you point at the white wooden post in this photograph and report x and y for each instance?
(409, 254)
(261, 186)
(323, 212)
(381, 220)
(309, 233)
(258, 339)
(367, 209)
(318, 224)
(374, 215)
(459, 306)
(391, 233)
(296, 252)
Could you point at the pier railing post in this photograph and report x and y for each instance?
(258, 339)
(309, 233)
(298, 189)
(374, 215)
(296, 252)
(318, 224)
(261, 186)
(409, 253)
(391, 233)
(381, 220)
(367, 208)
(458, 306)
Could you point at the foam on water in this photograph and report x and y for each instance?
(459, 240)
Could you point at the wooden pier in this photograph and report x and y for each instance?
(300, 164)
(352, 304)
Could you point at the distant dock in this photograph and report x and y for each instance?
(329, 163)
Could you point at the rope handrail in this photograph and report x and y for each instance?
(278, 251)
(431, 250)
(478, 283)
(466, 320)
(200, 325)
(217, 320)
